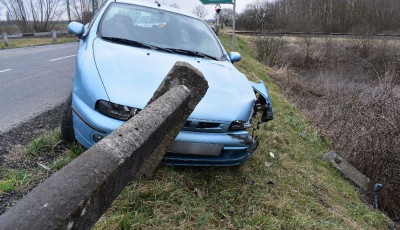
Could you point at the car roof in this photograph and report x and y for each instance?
(155, 5)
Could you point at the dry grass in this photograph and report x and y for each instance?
(350, 88)
(25, 42)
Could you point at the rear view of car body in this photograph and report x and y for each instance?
(113, 81)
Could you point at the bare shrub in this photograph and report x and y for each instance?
(365, 127)
(356, 101)
(268, 48)
(363, 46)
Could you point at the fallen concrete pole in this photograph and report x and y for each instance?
(348, 171)
(76, 196)
(178, 75)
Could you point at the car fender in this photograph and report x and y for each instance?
(264, 100)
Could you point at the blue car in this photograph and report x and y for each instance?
(121, 61)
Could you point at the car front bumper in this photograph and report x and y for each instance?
(189, 148)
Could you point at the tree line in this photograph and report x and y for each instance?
(42, 15)
(328, 16)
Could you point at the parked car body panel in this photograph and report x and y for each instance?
(129, 75)
(229, 96)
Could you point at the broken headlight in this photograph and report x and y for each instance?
(239, 125)
(116, 111)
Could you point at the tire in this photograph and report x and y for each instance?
(67, 128)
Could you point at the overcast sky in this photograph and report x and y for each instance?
(186, 5)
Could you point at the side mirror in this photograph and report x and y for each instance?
(235, 56)
(76, 28)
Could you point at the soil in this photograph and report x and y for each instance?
(12, 155)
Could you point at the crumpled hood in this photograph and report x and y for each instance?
(131, 75)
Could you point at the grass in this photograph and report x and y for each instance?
(66, 157)
(44, 143)
(25, 42)
(11, 179)
(295, 189)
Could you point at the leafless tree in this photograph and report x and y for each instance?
(200, 11)
(259, 10)
(226, 16)
(45, 13)
(322, 15)
(81, 10)
(18, 12)
(33, 15)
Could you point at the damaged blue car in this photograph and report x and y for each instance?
(124, 54)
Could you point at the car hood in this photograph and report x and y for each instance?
(131, 75)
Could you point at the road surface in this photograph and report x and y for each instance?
(33, 80)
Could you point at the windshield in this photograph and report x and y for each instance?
(124, 23)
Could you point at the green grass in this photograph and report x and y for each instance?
(25, 42)
(44, 143)
(74, 151)
(11, 179)
(297, 191)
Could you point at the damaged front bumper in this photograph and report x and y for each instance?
(189, 148)
(210, 149)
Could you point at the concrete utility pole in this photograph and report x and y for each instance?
(5, 38)
(54, 36)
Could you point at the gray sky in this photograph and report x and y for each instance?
(186, 5)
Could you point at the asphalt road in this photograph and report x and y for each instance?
(34, 80)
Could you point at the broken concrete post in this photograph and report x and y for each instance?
(76, 196)
(5, 38)
(181, 74)
(54, 36)
(347, 170)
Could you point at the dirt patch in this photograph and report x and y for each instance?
(12, 155)
(26, 132)
(8, 199)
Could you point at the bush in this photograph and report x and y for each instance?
(351, 91)
(268, 48)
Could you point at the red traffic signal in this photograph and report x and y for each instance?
(217, 8)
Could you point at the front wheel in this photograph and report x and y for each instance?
(67, 128)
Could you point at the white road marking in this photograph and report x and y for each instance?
(6, 70)
(56, 59)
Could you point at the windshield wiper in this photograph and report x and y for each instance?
(137, 43)
(127, 42)
(193, 53)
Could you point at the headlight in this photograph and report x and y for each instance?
(116, 111)
(239, 125)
